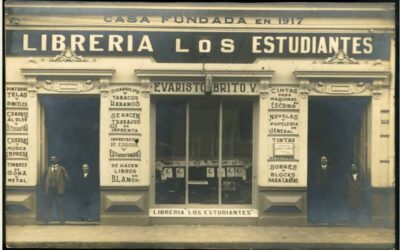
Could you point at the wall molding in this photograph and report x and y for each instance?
(339, 80)
(56, 78)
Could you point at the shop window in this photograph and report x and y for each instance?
(203, 152)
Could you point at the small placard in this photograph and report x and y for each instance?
(283, 149)
(168, 172)
(230, 171)
(210, 172)
(239, 172)
(198, 182)
(180, 173)
(222, 172)
(203, 212)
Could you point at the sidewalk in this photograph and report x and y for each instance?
(181, 236)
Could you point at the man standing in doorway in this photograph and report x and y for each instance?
(355, 192)
(323, 188)
(86, 186)
(323, 177)
(55, 179)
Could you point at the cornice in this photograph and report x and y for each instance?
(18, 9)
(312, 7)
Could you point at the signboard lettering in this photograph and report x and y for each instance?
(16, 96)
(16, 121)
(187, 19)
(125, 122)
(125, 97)
(17, 141)
(283, 98)
(16, 172)
(17, 157)
(203, 212)
(124, 172)
(201, 47)
(282, 172)
(198, 88)
(16, 147)
(282, 148)
(124, 153)
(283, 123)
(283, 129)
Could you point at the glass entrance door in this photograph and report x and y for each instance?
(203, 152)
(204, 136)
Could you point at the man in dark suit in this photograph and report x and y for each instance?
(322, 178)
(55, 179)
(86, 185)
(323, 188)
(354, 191)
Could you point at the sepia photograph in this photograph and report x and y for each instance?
(206, 125)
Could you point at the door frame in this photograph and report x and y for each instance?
(43, 147)
(68, 78)
(255, 116)
(365, 116)
(347, 78)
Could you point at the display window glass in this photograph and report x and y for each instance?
(204, 152)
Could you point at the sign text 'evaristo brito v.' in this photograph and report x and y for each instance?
(208, 47)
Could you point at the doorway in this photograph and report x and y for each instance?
(204, 151)
(70, 131)
(337, 138)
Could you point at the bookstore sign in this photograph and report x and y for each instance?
(197, 47)
(203, 212)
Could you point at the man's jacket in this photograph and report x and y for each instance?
(61, 179)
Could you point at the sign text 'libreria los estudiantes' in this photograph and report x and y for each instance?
(197, 46)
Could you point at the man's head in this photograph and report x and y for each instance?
(354, 168)
(85, 168)
(324, 160)
(53, 160)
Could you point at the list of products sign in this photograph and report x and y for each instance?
(17, 141)
(124, 154)
(283, 131)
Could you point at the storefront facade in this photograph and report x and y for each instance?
(202, 114)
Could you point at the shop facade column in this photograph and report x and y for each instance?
(125, 154)
(22, 161)
(282, 173)
(382, 186)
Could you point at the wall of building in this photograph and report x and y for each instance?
(124, 84)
